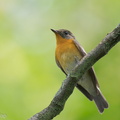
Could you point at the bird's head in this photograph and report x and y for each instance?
(63, 35)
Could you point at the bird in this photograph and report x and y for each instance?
(68, 54)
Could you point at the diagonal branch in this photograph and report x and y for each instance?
(58, 102)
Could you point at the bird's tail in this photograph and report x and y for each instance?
(100, 102)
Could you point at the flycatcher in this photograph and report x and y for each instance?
(68, 54)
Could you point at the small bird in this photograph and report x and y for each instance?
(68, 54)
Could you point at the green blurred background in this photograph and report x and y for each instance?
(29, 77)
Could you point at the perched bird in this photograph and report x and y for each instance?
(68, 53)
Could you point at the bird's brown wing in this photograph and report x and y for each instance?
(80, 48)
(91, 72)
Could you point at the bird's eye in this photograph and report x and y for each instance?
(66, 33)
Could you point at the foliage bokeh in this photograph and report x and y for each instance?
(29, 77)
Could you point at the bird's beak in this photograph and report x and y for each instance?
(54, 31)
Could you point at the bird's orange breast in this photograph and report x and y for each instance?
(67, 55)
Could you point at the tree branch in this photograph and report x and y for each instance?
(68, 85)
